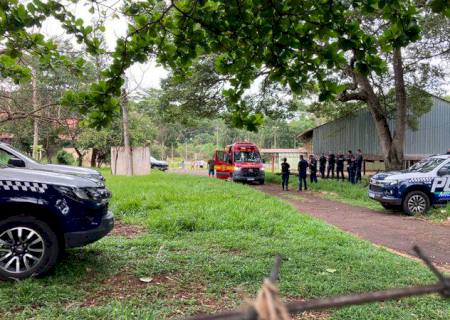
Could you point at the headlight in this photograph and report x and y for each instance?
(392, 182)
(263, 169)
(91, 194)
(237, 168)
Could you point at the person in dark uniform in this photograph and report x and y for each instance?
(352, 168)
(331, 163)
(349, 160)
(313, 168)
(340, 166)
(358, 167)
(211, 167)
(285, 174)
(322, 165)
(302, 167)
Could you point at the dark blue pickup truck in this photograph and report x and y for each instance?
(42, 213)
(414, 190)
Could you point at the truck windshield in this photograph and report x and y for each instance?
(426, 165)
(247, 156)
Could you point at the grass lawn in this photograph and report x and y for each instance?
(205, 245)
(355, 195)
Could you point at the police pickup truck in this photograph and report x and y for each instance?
(42, 213)
(414, 190)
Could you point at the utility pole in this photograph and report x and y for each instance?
(34, 101)
(126, 132)
(217, 137)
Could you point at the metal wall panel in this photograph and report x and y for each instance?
(358, 132)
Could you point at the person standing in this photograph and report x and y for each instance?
(322, 164)
(302, 167)
(313, 168)
(331, 164)
(285, 174)
(211, 167)
(340, 166)
(352, 169)
(359, 164)
(349, 164)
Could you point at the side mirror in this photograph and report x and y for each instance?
(16, 162)
(443, 172)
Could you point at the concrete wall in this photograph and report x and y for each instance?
(141, 161)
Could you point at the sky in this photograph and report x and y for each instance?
(139, 76)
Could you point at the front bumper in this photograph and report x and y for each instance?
(256, 177)
(383, 198)
(82, 238)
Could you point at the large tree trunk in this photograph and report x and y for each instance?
(126, 133)
(35, 119)
(391, 145)
(396, 153)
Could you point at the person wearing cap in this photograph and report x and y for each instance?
(285, 174)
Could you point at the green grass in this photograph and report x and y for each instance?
(356, 195)
(216, 241)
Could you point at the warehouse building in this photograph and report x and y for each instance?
(358, 132)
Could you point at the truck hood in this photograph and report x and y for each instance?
(399, 175)
(68, 169)
(47, 177)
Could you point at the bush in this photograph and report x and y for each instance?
(63, 157)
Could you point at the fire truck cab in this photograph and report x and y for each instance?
(240, 161)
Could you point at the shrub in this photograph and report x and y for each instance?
(63, 157)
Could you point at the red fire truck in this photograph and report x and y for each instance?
(240, 161)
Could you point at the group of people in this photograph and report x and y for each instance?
(327, 165)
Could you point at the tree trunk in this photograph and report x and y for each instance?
(94, 157)
(396, 153)
(35, 119)
(79, 157)
(126, 133)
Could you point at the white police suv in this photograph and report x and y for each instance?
(414, 190)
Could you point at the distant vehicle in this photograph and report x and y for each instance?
(42, 213)
(240, 161)
(16, 159)
(158, 164)
(414, 190)
(200, 164)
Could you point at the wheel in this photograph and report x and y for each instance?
(416, 202)
(391, 207)
(261, 182)
(28, 247)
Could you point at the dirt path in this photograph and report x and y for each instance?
(394, 231)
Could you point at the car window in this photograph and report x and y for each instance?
(446, 166)
(426, 165)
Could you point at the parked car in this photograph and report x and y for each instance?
(414, 190)
(42, 213)
(158, 164)
(17, 159)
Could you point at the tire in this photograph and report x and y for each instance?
(261, 182)
(391, 207)
(416, 202)
(28, 247)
